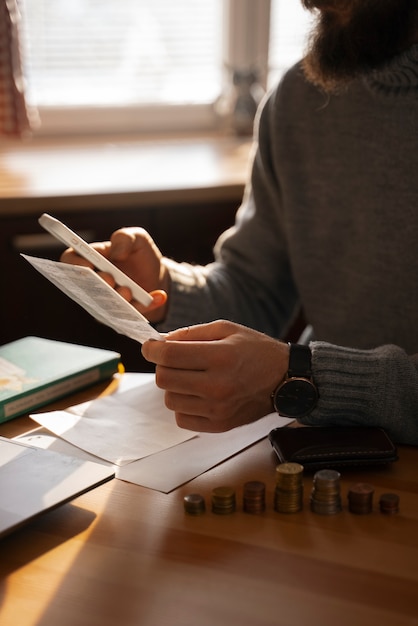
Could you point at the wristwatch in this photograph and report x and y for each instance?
(296, 396)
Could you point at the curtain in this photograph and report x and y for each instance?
(15, 117)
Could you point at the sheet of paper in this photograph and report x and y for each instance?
(92, 293)
(171, 468)
(119, 428)
(42, 438)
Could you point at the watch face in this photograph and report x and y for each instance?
(295, 398)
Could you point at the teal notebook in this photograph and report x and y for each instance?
(35, 371)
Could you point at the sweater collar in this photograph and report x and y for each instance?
(398, 76)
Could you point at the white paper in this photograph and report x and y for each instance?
(42, 438)
(171, 468)
(98, 298)
(119, 428)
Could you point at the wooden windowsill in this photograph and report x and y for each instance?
(93, 173)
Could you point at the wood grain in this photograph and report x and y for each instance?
(123, 554)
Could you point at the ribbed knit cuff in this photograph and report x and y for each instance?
(376, 387)
(347, 382)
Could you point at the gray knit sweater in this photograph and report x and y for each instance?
(329, 221)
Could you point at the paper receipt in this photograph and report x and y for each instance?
(98, 298)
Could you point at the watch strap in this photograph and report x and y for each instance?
(300, 361)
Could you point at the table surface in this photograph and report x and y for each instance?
(75, 173)
(123, 554)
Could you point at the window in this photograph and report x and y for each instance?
(289, 26)
(105, 65)
(101, 51)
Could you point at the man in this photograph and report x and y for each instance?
(329, 222)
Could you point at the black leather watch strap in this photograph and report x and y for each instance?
(296, 396)
(299, 361)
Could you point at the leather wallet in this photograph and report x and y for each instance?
(320, 447)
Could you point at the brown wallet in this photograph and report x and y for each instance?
(319, 447)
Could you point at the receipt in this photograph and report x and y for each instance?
(90, 291)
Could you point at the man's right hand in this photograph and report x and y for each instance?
(135, 253)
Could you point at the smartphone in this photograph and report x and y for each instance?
(71, 239)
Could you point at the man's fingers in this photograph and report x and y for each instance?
(212, 331)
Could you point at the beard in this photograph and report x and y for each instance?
(351, 38)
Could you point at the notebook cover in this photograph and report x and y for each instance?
(35, 371)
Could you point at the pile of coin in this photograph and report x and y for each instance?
(360, 499)
(288, 493)
(389, 503)
(194, 504)
(325, 496)
(223, 500)
(254, 497)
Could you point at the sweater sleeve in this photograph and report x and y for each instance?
(376, 387)
(250, 281)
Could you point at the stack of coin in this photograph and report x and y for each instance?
(389, 503)
(194, 504)
(288, 494)
(254, 499)
(360, 498)
(223, 500)
(325, 496)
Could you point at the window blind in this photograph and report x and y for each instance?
(126, 65)
(102, 52)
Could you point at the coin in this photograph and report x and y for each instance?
(289, 468)
(326, 479)
(360, 498)
(288, 494)
(325, 496)
(389, 503)
(254, 497)
(223, 500)
(194, 504)
(288, 502)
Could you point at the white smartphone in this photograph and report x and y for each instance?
(72, 240)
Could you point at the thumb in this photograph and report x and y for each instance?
(159, 298)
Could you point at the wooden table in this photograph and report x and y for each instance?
(128, 556)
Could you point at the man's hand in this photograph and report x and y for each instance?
(217, 376)
(134, 252)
